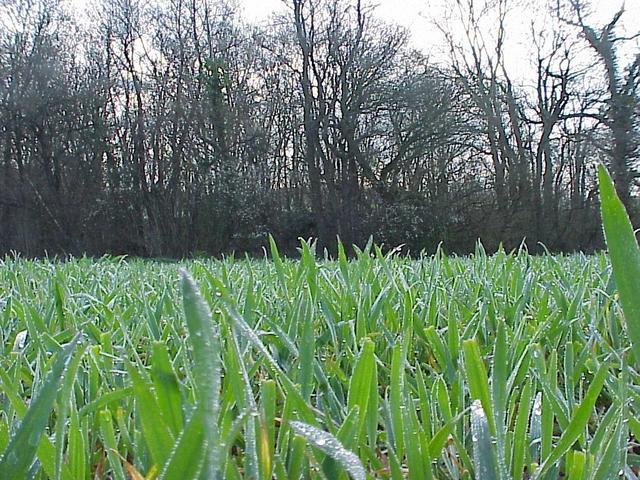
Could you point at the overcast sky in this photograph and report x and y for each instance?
(418, 15)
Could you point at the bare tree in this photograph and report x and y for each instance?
(171, 127)
(622, 86)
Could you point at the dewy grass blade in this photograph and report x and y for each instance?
(484, 457)
(251, 447)
(304, 410)
(477, 380)
(329, 445)
(540, 327)
(206, 369)
(396, 398)
(155, 430)
(21, 450)
(520, 443)
(347, 434)
(360, 385)
(189, 453)
(167, 387)
(111, 444)
(624, 254)
(65, 397)
(267, 427)
(307, 348)
(578, 421)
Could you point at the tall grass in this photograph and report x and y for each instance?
(502, 366)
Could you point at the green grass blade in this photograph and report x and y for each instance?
(625, 256)
(22, 447)
(267, 427)
(484, 457)
(189, 453)
(360, 385)
(111, 444)
(205, 341)
(330, 445)
(477, 380)
(76, 448)
(166, 387)
(155, 430)
(576, 465)
(520, 443)
(396, 400)
(65, 397)
(578, 421)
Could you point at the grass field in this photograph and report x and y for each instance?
(502, 366)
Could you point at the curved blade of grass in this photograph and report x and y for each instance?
(346, 436)
(206, 370)
(104, 400)
(577, 423)
(22, 447)
(46, 451)
(303, 407)
(330, 445)
(625, 256)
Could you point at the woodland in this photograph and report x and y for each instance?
(174, 128)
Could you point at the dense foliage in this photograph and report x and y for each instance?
(415, 366)
(172, 128)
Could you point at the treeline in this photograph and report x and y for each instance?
(172, 128)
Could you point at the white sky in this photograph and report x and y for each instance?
(421, 16)
(418, 16)
(414, 14)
